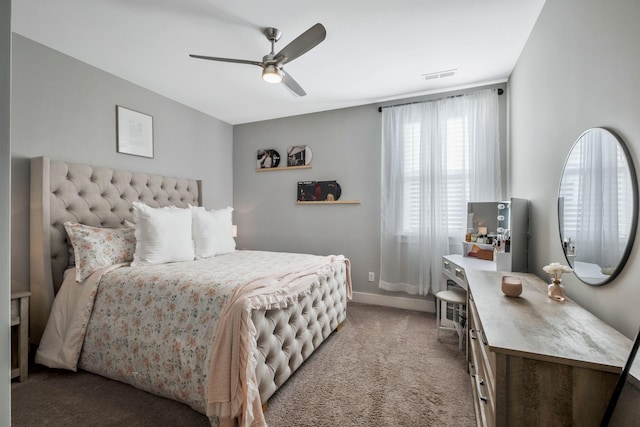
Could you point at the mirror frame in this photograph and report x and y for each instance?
(625, 395)
(634, 220)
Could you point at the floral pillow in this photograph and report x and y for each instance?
(96, 247)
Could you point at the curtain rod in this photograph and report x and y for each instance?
(500, 92)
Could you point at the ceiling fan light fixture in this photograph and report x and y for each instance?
(272, 63)
(271, 74)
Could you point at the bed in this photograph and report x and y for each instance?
(220, 334)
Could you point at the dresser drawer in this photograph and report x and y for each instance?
(454, 272)
(477, 336)
(481, 369)
(484, 399)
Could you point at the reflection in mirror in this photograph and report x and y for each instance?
(484, 214)
(597, 206)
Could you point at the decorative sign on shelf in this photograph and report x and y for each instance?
(299, 155)
(318, 191)
(268, 158)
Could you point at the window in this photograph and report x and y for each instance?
(436, 155)
(456, 162)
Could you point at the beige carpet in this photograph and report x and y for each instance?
(384, 368)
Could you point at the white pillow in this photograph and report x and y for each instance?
(212, 232)
(162, 235)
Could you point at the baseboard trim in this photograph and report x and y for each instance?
(426, 305)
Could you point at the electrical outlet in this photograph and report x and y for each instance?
(372, 276)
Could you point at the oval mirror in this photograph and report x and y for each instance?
(598, 206)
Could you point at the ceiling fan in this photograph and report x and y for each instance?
(272, 63)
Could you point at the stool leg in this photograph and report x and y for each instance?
(460, 331)
(438, 304)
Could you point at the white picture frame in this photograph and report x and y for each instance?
(134, 132)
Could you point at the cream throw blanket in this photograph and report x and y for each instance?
(233, 394)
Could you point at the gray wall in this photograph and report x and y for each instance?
(346, 147)
(5, 210)
(65, 109)
(579, 69)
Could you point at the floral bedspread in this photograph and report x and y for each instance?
(153, 326)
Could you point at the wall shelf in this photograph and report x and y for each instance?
(327, 202)
(282, 168)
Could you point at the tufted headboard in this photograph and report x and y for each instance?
(97, 196)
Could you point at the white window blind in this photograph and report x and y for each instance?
(412, 172)
(456, 161)
(569, 195)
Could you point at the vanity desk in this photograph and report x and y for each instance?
(454, 268)
(534, 361)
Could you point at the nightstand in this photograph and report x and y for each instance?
(20, 319)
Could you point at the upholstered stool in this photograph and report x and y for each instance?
(459, 301)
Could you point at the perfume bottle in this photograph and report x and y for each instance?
(467, 237)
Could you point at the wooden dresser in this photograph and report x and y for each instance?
(537, 362)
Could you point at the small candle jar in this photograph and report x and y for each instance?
(511, 286)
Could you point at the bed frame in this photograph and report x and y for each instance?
(99, 196)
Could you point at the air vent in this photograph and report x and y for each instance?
(440, 74)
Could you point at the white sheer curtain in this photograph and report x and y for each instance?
(436, 156)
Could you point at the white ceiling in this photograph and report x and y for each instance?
(375, 50)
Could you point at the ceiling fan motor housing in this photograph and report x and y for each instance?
(272, 34)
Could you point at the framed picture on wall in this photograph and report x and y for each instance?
(299, 155)
(268, 158)
(134, 132)
(318, 191)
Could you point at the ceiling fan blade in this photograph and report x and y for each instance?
(292, 85)
(237, 61)
(305, 42)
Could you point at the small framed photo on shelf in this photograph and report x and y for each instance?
(134, 132)
(268, 158)
(318, 191)
(299, 155)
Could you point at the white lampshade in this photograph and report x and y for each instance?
(482, 230)
(271, 74)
